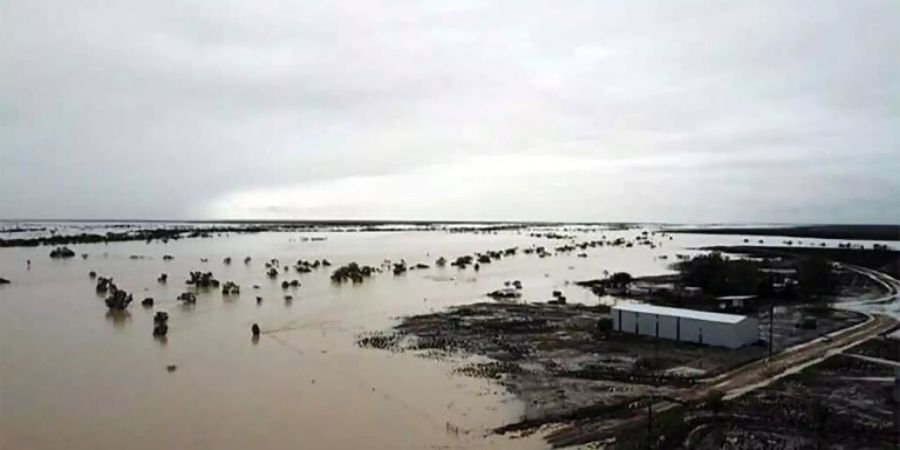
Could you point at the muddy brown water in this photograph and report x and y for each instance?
(74, 376)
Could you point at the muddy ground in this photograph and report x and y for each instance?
(884, 348)
(841, 403)
(787, 329)
(542, 353)
(563, 365)
(555, 358)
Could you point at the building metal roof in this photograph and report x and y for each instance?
(736, 297)
(644, 308)
(785, 271)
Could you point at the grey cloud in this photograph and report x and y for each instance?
(172, 109)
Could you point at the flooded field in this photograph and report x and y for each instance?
(75, 375)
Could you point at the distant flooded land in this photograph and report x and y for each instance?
(447, 335)
(854, 232)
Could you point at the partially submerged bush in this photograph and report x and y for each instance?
(160, 324)
(304, 266)
(104, 284)
(203, 279)
(118, 299)
(231, 288)
(463, 261)
(352, 272)
(187, 298)
(62, 252)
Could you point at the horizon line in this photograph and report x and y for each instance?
(429, 222)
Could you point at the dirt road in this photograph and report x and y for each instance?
(733, 384)
(763, 372)
(750, 377)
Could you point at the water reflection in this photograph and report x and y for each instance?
(118, 317)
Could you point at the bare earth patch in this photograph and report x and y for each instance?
(574, 375)
(556, 359)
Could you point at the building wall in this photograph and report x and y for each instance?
(748, 331)
(692, 331)
(668, 327)
(718, 334)
(647, 324)
(625, 321)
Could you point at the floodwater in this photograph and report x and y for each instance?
(74, 376)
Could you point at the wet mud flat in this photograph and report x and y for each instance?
(558, 359)
(843, 402)
(788, 324)
(886, 348)
(580, 382)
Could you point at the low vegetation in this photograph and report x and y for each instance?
(813, 278)
(352, 272)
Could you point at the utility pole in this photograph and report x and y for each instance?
(771, 323)
(650, 440)
(897, 406)
(656, 342)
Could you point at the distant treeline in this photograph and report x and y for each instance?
(164, 234)
(872, 259)
(864, 232)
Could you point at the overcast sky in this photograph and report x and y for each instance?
(685, 111)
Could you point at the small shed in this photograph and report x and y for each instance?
(734, 302)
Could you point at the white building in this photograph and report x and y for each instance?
(686, 325)
(734, 302)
